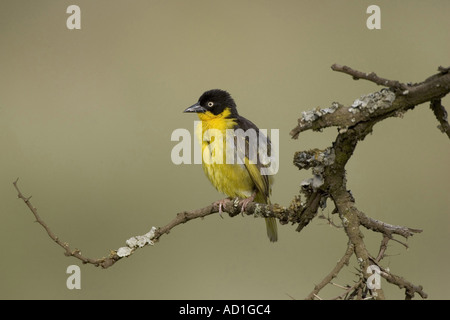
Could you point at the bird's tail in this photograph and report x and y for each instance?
(271, 223)
(272, 232)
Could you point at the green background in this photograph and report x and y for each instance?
(86, 118)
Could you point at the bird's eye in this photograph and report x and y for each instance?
(210, 104)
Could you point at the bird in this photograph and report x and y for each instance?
(239, 176)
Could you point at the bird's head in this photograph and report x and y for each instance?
(214, 103)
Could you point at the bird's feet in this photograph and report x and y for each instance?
(221, 204)
(245, 202)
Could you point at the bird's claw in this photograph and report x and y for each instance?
(221, 203)
(245, 202)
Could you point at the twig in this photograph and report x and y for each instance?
(341, 263)
(371, 77)
(349, 289)
(383, 248)
(292, 214)
(339, 286)
(441, 115)
(330, 221)
(410, 289)
(386, 228)
(104, 262)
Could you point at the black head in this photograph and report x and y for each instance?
(214, 101)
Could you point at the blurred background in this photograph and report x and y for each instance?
(86, 118)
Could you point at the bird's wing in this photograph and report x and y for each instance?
(252, 149)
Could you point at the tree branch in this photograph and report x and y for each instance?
(377, 105)
(394, 84)
(293, 214)
(104, 262)
(341, 263)
(441, 115)
(410, 289)
(386, 228)
(354, 123)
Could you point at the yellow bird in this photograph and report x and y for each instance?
(231, 159)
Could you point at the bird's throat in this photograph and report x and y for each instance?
(220, 122)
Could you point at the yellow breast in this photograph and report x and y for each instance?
(231, 179)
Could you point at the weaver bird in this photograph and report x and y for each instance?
(243, 175)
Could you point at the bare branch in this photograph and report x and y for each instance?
(350, 291)
(341, 263)
(371, 77)
(104, 262)
(410, 289)
(383, 248)
(441, 115)
(386, 228)
(294, 214)
(375, 106)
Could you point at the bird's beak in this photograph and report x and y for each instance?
(197, 108)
